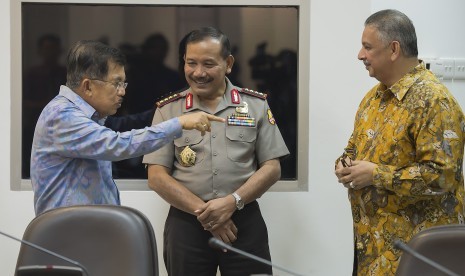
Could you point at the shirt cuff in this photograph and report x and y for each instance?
(382, 177)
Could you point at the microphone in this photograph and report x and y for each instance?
(86, 273)
(404, 247)
(216, 243)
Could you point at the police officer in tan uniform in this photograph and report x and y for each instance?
(212, 179)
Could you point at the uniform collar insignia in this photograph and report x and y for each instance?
(189, 101)
(235, 96)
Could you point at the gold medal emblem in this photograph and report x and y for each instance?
(243, 109)
(187, 157)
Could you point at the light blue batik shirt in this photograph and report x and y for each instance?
(72, 153)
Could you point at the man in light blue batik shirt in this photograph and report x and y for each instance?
(72, 150)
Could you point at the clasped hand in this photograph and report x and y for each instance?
(356, 176)
(215, 216)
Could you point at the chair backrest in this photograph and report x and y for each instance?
(444, 245)
(107, 240)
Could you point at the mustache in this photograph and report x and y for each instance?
(201, 79)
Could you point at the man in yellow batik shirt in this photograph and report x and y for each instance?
(403, 162)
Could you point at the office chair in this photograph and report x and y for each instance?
(106, 240)
(444, 245)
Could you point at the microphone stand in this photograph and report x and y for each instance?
(86, 273)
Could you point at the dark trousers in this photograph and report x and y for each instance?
(186, 250)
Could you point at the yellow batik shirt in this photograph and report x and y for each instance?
(414, 132)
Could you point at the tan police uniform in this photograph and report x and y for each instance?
(215, 165)
(227, 156)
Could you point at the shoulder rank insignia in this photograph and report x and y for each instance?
(254, 93)
(168, 99)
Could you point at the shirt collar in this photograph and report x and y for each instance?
(227, 100)
(231, 93)
(88, 110)
(400, 88)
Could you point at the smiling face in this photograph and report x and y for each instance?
(375, 54)
(103, 95)
(205, 69)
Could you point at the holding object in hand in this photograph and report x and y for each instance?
(344, 162)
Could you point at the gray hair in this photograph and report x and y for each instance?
(393, 25)
(90, 59)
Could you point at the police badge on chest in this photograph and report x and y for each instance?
(187, 157)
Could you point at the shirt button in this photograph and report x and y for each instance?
(215, 171)
(214, 135)
(241, 135)
(215, 192)
(187, 139)
(215, 153)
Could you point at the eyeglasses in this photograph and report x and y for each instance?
(344, 162)
(117, 85)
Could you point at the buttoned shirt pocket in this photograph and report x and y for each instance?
(240, 143)
(193, 139)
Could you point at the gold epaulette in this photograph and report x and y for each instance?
(254, 93)
(168, 99)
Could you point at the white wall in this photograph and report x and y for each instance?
(439, 26)
(310, 232)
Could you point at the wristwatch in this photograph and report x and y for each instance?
(239, 202)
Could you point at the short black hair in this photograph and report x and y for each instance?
(210, 32)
